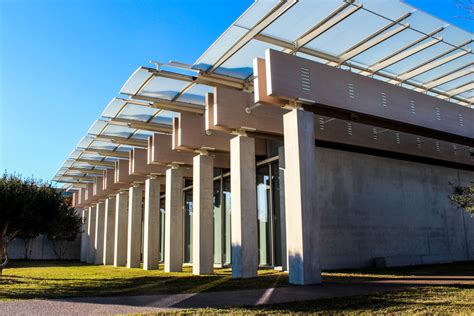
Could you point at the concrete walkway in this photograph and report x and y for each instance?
(156, 303)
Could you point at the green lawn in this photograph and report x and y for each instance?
(56, 279)
(453, 300)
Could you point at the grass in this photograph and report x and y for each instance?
(60, 279)
(457, 300)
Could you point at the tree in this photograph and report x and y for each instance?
(463, 197)
(29, 207)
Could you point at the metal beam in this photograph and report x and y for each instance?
(84, 178)
(461, 89)
(175, 106)
(109, 164)
(276, 12)
(108, 153)
(401, 56)
(152, 127)
(87, 171)
(458, 73)
(434, 62)
(332, 20)
(372, 41)
(123, 140)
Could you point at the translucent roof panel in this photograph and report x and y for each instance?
(353, 30)
(118, 130)
(196, 94)
(240, 64)
(162, 88)
(137, 112)
(300, 20)
(136, 80)
(164, 117)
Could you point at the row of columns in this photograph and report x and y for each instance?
(116, 225)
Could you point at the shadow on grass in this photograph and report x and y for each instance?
(18, 264)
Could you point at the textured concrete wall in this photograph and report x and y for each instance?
(373, 207)
(41, 248)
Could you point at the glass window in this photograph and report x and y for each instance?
(275, 184)
(218, 223)
(188, 226)
(264, 215)
(227, 217)
(163, 225)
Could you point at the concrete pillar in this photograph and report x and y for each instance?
(302, 218)
(174, 235)
(281, 177)
(99, 233)
(152, 224)
(121, 226)
(84, 235)
(244, 207)
(109, 230)
(91, 234)
(135, 217)
(203, 233)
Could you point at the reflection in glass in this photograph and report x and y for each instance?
(188, 226)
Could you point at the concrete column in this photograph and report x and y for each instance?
(302, 218)
(91, 234)
(174, 235)
(109, 230)
(244, 207)
(203, 233)
(84, 235)
(99, 233)
(121, 220)
(152, 224)
(281, 176)
(135, 217)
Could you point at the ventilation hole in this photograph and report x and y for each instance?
(374, 134)
(437, 145)
(349, 129)
(455, 150)
(412, 107)
(305, 79)
(418, 142)
(438, 114)
(397, 138)
(351, 90)
(461, 120)
(383, 96)
(321, 123)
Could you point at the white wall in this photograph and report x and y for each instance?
(43, 249)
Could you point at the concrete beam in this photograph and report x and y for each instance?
(203, 215)
(160, 152)
(302, 220)
(351, 96)
(244, 208)
(122, 173)
(139, 165)
(174, 221)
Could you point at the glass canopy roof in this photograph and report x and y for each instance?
(389, 40)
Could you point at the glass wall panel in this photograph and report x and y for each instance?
(275, 184)
(162, 221)
(188, 226)
(264, 215)
(227, 217)
(218, 219)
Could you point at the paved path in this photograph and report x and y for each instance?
(155, 303)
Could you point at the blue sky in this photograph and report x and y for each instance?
(62, 61)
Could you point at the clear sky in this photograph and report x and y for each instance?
(62, 61)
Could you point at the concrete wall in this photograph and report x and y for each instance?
(374, 207)
(43, 249)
